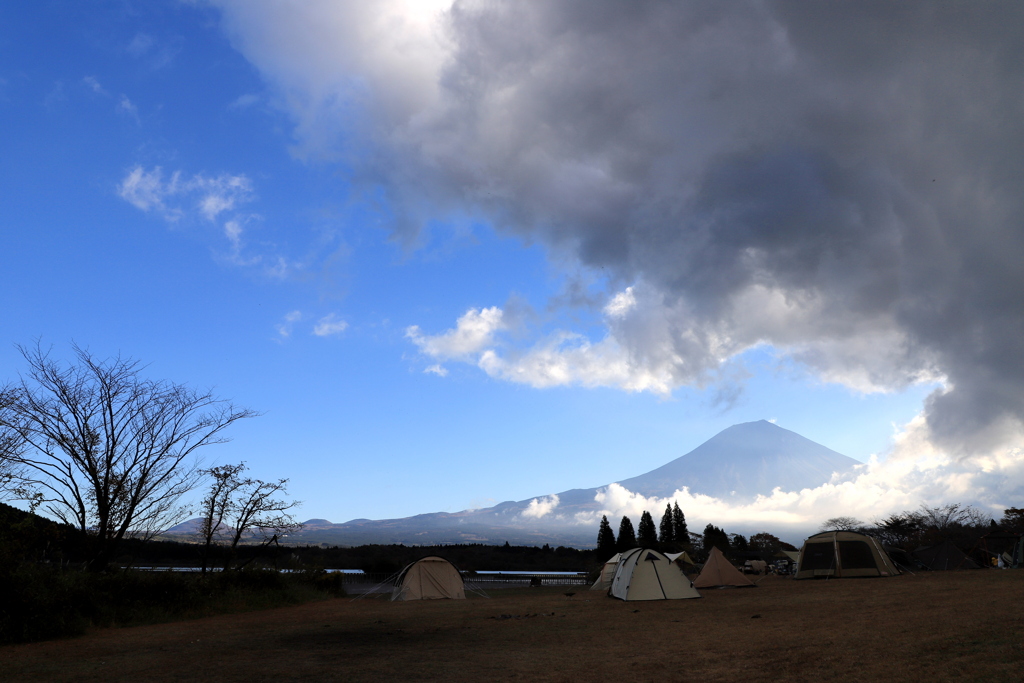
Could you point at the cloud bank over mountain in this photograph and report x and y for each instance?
(839, 181)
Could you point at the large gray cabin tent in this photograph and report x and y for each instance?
(644, 574)
(843, 554)
(430, 578)
(604, 582)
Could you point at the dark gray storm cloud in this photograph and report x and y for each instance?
(840, 180)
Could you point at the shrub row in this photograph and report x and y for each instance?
(40, 602)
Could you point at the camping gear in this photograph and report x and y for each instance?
(843, 554)
(682, 559)
(604, 581)
(644, 574)
(718, 572)
(429, 578)
(944, 557)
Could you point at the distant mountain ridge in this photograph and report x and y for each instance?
(737, 464)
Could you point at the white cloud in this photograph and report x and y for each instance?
(140, 45)
(94, 85)
(328, 325)
(539, 507)
(244, 101)
(621, 304)
(284, 328)
(473, 333)
(147, 190)
(233, 231)
(212, 199)
(436, 369)
(125, 106)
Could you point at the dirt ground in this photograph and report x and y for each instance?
(926, 627)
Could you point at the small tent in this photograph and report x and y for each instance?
(644, 574)
(682, 559)
(843, 554)
(944, 557)
(604, 582)
(430, 578)
(718, 572)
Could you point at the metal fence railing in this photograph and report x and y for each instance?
(382, 583)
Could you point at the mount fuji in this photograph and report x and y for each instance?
(735, 465)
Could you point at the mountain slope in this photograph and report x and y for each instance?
(743, 461)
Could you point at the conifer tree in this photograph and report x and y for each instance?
(715, 538)
(666, 531)
(605, 540)
(627, 537)
(647, 533)
(679, 530)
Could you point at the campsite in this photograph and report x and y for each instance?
(923, 626)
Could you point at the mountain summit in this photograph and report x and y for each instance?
(743, 461)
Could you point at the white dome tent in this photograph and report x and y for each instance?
(644, 574)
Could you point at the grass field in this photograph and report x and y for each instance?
(926, 627)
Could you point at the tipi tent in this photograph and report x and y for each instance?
(644, 574)
(718, 572)
(943, 557)
(430, 578)
(604, 582)
(843, 554)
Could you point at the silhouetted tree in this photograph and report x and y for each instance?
(765, 543)
(1013, 520)
(903, 530)
(739, 542)
(842, 524)
(666, 533)
(627, 537)
(647, 534)
(252, 509)
(679, 530)
(605, 540)
(216, 506)
(714, 538)
(107, 451)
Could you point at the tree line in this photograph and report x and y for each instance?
(673, 536)
(962, 525)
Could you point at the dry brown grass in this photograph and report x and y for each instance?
(943, 626)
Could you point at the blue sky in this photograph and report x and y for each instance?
(243, 197)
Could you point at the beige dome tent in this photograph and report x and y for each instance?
(644, 574)
(718, 572)
(430, 578)
(843, 554)
(604, 582)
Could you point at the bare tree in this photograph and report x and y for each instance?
(108, 451)
(216, 506)
(237, 506)
(903, 530)
(841, 524)
(11, 445)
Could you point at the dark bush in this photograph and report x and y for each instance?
(39, 602)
